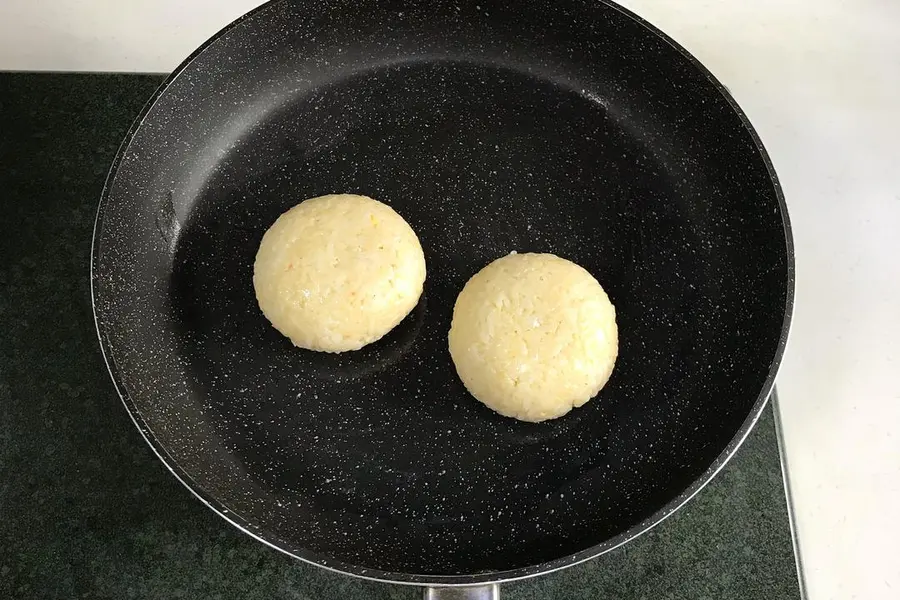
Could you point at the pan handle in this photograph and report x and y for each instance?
(490, 591)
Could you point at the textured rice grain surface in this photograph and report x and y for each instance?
(533, 335)
(338, 272)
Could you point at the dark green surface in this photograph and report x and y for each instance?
(86, 509)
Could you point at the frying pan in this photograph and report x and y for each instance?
(564, 126)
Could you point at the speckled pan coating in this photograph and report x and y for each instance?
(569, 127)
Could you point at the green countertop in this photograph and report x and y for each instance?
(86, 509)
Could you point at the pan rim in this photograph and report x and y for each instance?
(459, 580)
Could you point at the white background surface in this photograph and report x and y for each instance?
(821, 82)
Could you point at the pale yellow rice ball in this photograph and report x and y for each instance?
(338, 272)
(533, 335)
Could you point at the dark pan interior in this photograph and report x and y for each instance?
(565, 127)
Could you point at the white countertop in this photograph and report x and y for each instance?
(820, 79)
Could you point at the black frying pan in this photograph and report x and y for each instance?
(569, 127)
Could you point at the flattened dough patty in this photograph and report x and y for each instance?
(338, 272)
(533, 335)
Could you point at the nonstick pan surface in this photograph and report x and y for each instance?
(569, 127)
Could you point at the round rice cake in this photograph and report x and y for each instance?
(533, 335)
(337, 272)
